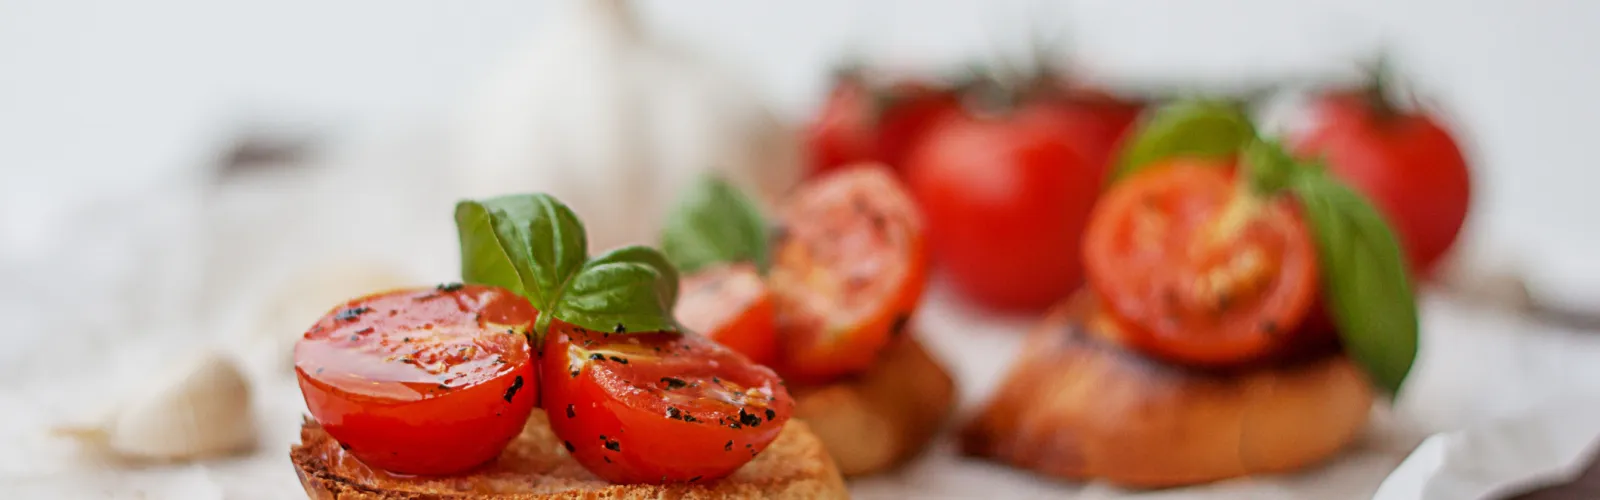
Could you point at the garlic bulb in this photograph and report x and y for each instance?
(614, 122)
(197, 408)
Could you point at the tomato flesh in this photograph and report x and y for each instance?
(658, 407)
(731, 305)
(1204, 272)
(848, 269)
(422, 381)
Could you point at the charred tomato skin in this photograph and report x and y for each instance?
(848, 270)
(652, 408)
(425, 381)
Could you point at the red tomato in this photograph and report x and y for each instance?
(731, 305)
(424, 381)
(658, 407)
(1205, 272)
(1406, 163)
(1007, 198)
(862, 124)
(848, 269)
(1095, 121)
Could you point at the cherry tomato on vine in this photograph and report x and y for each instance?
(1007, 197)
(862, 123)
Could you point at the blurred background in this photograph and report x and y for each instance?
(181, 173)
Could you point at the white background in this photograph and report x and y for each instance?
(101, 95)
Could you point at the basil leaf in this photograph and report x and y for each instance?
(1268, 166)
(1364, 277)
(540, 245)
(534, 245)
(1194, 128)
(628, 289)
(713, 223)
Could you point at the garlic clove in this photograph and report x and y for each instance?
(197, 408)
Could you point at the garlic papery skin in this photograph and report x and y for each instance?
(194, 409)
(615, 123)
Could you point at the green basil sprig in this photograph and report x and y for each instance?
(534, 245)
(1193, 128)
(713, 223)
(1365, 284)
(1364, 278)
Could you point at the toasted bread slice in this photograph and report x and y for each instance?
(536, 466)
(1079, 405)
(884, 416)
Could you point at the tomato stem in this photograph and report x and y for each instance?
(1380, 79)
(1267, 167)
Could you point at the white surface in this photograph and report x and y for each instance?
(1548, 445)
(260, 236)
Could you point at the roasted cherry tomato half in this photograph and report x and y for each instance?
(848, 269)
(1204, 271)
(658, 407)
(731, 305)
(422, 381)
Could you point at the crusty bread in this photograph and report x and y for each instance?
(536, 466)
(1078, 405)
(884, 416)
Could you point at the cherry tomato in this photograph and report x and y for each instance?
(848, 269)
(1095, 121)
(1007, 199)
(1204, 271)
(424, 381)
(859, 123)
(658, 407)
(1405, 162)
(732, 306)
